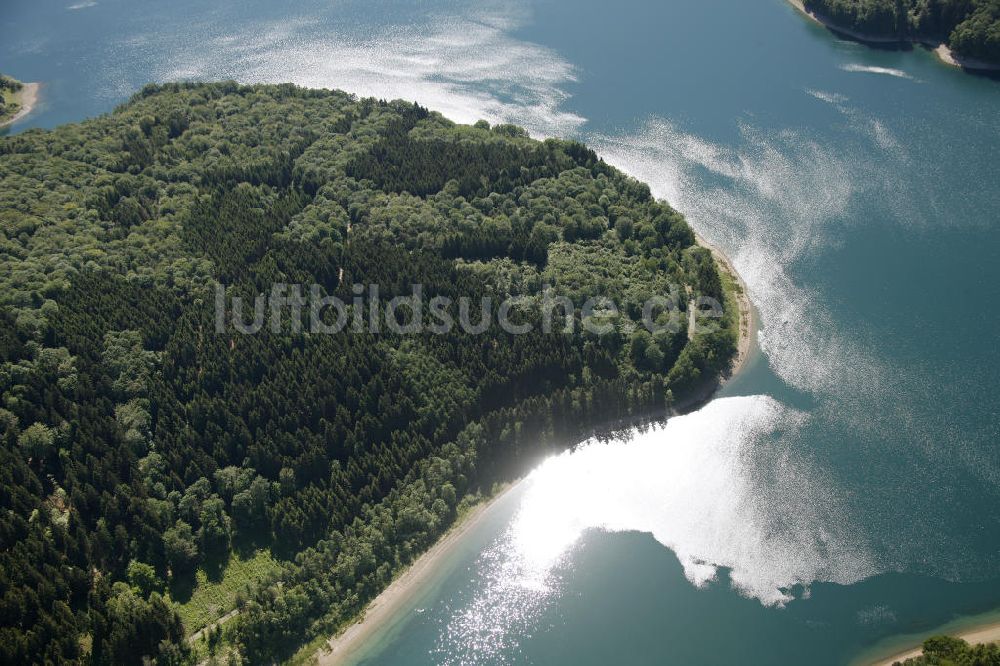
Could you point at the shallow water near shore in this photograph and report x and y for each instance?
(847, 486)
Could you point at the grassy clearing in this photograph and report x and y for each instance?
(214, 593)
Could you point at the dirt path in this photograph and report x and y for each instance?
(196, 636)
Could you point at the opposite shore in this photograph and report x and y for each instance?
(940, 49)
(27, 98)
(346, 645)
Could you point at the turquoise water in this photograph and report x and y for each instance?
(847, 486)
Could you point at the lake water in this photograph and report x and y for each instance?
(846, 487)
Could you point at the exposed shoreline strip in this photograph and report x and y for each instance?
(974, 635)
(940, 49)
(748, 320)
(340, 649)
(345, 645)
(27, 97)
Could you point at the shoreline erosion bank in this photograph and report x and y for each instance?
(27, 97)
(340, 649)
(940, 49)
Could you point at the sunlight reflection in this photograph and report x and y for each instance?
(722, 487)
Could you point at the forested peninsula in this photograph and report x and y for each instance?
(158, 474)
(969, 28)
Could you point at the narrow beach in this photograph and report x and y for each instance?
(27, 97)
(973, 635)
(343, 647)
(748, 320)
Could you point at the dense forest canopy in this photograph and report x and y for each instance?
(970, 27)
(138, 444)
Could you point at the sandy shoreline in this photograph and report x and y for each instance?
(940, 49)
(744, 345)
(27, 97)
(342, 647)
(748, 321)
(948, 57)
(985, 633)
